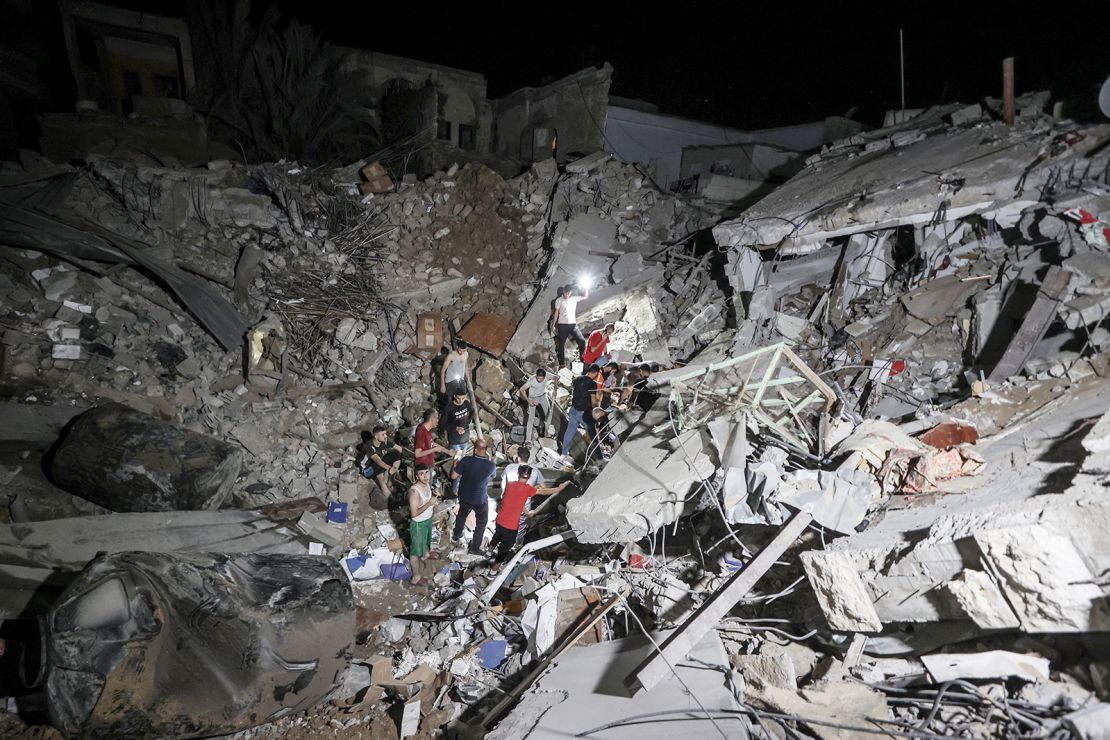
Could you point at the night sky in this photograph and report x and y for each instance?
(739, 64)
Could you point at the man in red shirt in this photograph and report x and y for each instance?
(513, 499)
(596, 345)
(424, 446)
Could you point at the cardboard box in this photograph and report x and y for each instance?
(378, 185)
(429, 335)
(373, 170)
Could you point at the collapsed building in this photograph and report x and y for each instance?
(861, 490)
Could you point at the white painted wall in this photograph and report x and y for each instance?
(657, 140)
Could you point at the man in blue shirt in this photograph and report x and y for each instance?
(473, 474)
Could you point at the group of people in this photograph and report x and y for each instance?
(470, 476)
(445, 433)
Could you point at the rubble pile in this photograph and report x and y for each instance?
(850, 482)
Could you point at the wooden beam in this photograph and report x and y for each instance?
(1033, 327)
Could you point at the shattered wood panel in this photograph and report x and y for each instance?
(576, 605)
(1034, 326)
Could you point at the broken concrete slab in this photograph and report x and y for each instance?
(840, 591)
(583, 692)
(1045, 579)
(1090, 723)
(982, 600)
(886, 187)
(626, 266)
(835, 709)
(993, 664)
(643, 487)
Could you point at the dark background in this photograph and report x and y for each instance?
(738, 64)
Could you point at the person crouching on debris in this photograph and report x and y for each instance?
(514, 498)
(472, 475)
(535, 394)
(613, 384)
(421, 506)
(453, 377)
(582, 401)
(564, 322)
(511, 474)
(605, 436)
(379, 458)
(596, 346)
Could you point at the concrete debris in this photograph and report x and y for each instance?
(944, 667)
(841, 471)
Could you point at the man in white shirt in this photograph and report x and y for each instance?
(534, 392)
(564, 322)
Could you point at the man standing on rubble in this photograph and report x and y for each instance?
(534, 392)
(564, 322)
(424, 446)
(472, 475)
(584, 392)
(511, 511)
(456, 424)
(453, 377)
(421, 506)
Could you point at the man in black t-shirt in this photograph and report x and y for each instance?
(583, 394)
(379, 458)
(455, 423)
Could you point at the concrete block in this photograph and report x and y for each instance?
(626, 266)
(643, 487)
(319, 530)
(1090, 723)
(1097, 439)
(67, 352)
(840, 592)
(981, 599)
(1045, 579)
(69, 315)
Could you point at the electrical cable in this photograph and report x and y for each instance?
(637, 718)
(659, 650)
